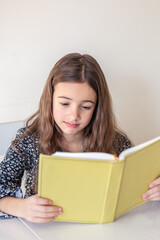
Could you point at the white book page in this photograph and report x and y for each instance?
(133, 149)
(104, 156)
(88, 155)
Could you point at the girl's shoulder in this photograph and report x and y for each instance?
(20, 132)
(121, 142)
(23, 133)
(25, 140)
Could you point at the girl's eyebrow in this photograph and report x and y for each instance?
(72, 99)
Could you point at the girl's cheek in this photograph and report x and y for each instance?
(59, 113)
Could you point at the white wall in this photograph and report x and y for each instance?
(123, 35)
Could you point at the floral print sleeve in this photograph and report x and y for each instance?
(121, 143)
(11, 172)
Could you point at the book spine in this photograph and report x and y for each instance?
(39, 174)
(112, 192)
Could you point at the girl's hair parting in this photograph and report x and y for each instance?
(100, 132)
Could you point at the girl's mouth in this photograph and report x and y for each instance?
(72, 125)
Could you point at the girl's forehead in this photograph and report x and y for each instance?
(74, 90)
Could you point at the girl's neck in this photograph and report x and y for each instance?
(73, 143)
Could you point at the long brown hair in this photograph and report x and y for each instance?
(101, 130)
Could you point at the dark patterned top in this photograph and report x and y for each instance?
(14, 165)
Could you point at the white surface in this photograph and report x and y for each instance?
(122, 35)
(14, 229)
(140, 223)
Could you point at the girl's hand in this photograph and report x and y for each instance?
(39, 210)
(153, 194)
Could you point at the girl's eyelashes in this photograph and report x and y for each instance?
(82, 106)
(64, 103)
(86, 108)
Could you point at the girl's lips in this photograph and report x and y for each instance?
(71, 125)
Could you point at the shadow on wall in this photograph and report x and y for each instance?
(7, 134)
(137, 109)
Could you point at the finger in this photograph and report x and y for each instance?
(154, 197)
(147, 195)
(45, 215)
(48, 209)
(155, 182)
(41, 201)
(37, 212)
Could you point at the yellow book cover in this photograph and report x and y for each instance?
(93, 187)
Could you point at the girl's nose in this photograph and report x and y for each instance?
(74, 114)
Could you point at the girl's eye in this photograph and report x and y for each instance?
(64, 104)
(86, 108)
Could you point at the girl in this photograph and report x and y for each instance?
(75, 115)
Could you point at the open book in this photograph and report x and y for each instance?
(93, 187)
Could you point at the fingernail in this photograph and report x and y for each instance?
(144, 197)
(59, 210)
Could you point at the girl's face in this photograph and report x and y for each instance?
(73, 106)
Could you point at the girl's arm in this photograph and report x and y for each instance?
(153, 194)
(33, 209)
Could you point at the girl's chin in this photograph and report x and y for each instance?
(72, 132)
